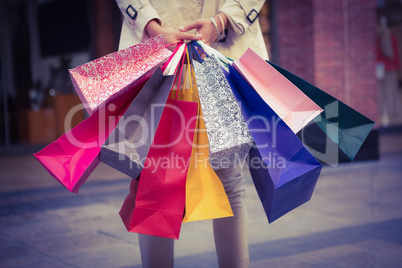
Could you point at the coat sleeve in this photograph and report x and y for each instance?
(241, 13)
(137, 13)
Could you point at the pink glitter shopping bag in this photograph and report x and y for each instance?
(102, 80)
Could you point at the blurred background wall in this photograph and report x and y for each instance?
(335, 44)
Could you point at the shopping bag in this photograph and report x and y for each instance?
(127, 146)
(284, 172)
(342, 124)
(104, 79)
(160, 200)
(288, 102)
(205, 195)
(228, 135)
(127, 209)
(74, 155)
(223, 61)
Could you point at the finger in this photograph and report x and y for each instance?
(188, 36)
(193, 25)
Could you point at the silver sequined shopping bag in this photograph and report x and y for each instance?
(228, 134)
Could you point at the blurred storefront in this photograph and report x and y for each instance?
(389, 61)
(40, 41)
(330, 43)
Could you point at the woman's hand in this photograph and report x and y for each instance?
(170, 36)
(206, 28)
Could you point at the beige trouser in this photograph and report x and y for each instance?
(231, 240)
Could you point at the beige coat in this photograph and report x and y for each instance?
(175, 13)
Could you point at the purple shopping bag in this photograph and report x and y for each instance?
(284, 172)
(127, 146)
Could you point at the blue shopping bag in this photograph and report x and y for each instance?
(284, 172)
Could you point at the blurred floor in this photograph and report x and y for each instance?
(353, 220)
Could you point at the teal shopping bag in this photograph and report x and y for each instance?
(343, 125)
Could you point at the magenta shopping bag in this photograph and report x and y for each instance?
(72, 157)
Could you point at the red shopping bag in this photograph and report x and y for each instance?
(159, 205)
(160, 200)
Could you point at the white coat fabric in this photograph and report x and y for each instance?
(175, 13)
